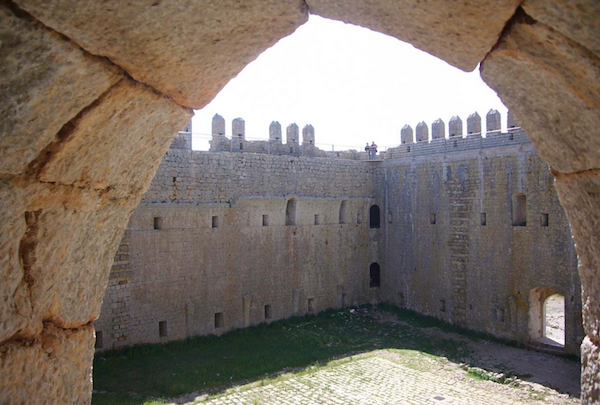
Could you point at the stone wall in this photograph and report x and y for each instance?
(212, 236)
(451, 248)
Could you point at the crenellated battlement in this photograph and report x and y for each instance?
(456, 142)
(412, 143)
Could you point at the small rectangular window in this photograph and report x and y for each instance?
(241, 146)
(267, 312)
(219, 320)
(311, 305)
(215, 221)
(99, 341)
(158, 223)
(432, 219)
(162, 329)
(317, 219)
(291, 150)
(265, 220)
(442, 305)
(544, 219)
(483, 216)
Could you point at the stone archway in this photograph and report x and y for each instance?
(93, 93)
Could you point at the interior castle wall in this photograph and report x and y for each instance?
(472, 267)
(223, 246)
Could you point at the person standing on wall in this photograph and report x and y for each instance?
(368, 150)
(373, 150)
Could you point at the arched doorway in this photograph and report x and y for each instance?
(547, 317)
(374, 275)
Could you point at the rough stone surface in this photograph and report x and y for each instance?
(52, 369)
(461, 32)
(203, 43)
(557, 97)
(577, 19)
(590, 361)
(579, 195)
(135, 141)
(45, 81)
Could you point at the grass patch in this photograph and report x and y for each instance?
(151, 373)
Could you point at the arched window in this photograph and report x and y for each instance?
(290, 212)
(343, 211)
(374, 275)
(374, 214)
(519, 210)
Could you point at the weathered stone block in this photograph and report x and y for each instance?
(406, 135)
(577, 19)
(187, 51)
(474, 124)
(422, 132)
(455, 127)
(456, 32)
(558, 92)
(438, 129)
(45, 81)
(53, 369)
(590, 370)
(117, 144)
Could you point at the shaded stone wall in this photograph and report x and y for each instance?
(210, 237)
(451, 249)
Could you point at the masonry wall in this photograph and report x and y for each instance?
(212, 236)
(474, 270)
(223, 247)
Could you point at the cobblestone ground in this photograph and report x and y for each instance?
(380, 379)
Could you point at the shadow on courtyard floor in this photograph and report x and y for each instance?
(150, 374)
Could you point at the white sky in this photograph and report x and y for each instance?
(352, 84)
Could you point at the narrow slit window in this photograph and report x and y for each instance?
(483, 219)
(290, 212)
(265, 220)
(162, 329)
(317, 219)
(432, 219)
(219, 320)
(343, 212)
(544, 219)
(215, 221)
(241, 146)
(99, 344)
(267, 312)
(519, 210)
(374, 217)
(311, 305)
(442, 305)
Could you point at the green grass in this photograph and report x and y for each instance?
(145, 374)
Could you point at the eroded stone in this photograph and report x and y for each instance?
(53, 369)
(119, 143)
(461, 32)
(186, 50)
(577, 19)
(590, 361)
(45, 81)
(579, 196)
(557, 97)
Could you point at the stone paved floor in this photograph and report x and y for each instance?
(377, 380)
